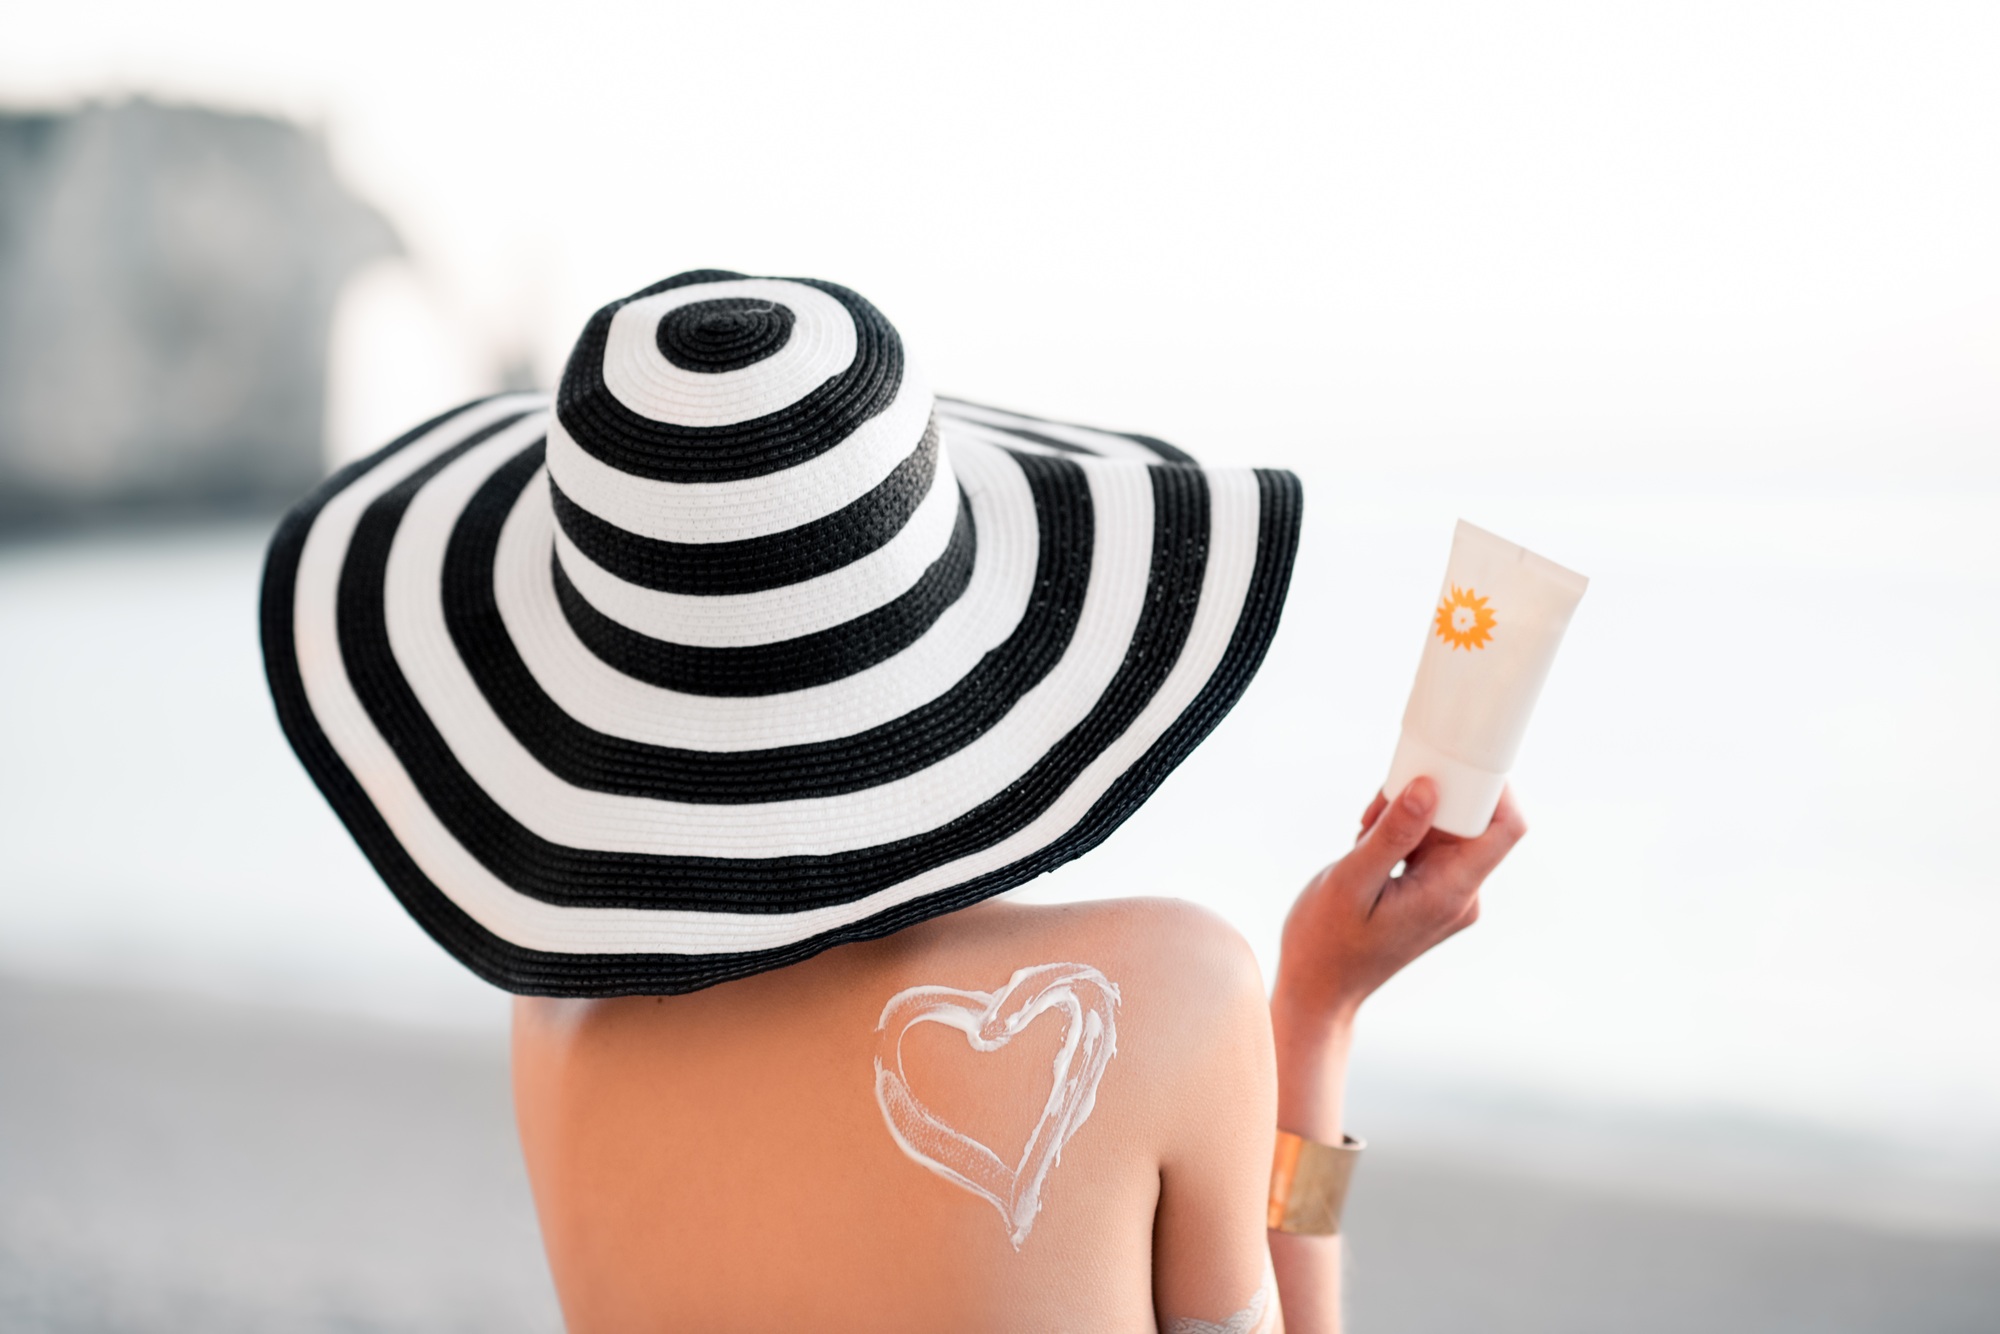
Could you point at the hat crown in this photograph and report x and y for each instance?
(722, 434)
(712, 376)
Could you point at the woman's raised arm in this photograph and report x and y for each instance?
(1352, 929)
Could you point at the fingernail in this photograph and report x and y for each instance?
(1420, 796)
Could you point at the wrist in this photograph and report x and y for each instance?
(1312, 1048)
(1312, 1006)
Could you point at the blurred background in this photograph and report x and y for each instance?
(1700, 299)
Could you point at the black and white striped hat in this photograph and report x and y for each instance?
(751, 646)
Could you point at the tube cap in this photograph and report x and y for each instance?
(1466, 795)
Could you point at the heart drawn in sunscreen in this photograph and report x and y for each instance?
(990, 1020)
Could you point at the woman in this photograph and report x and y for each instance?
(710, 709)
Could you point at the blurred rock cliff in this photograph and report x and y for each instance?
(168, 278)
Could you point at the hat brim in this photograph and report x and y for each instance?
(567, 815)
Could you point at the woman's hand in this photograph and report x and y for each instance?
(1358, 924)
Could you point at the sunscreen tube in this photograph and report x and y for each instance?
(1499, 618)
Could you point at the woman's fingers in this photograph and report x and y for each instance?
(1456, 869)
(1482, 854)
(1395, 832)
(1373, 813)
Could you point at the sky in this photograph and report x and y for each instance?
(1718, 244)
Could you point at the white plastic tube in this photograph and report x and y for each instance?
(1499, 619)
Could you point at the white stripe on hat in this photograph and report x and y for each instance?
(821, 346)
(735, 620)
(750, 506)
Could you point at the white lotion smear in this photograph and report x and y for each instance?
(990, 1020)
(1252, 1319)
(1500, 618)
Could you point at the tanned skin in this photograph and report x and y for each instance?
(719, 1161)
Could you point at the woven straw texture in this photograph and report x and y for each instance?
(747, 644)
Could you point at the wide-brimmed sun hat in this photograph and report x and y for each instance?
(748, 645)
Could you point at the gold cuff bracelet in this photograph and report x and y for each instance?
(1309, 1184)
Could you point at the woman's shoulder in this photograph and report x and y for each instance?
(1181, 955)
(1189, 993)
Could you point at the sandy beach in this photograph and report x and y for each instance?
(172, 1164)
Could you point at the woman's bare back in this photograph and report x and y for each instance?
(1007, 1118)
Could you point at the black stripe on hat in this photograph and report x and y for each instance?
(615, 435)
(754, 564)
(1016, 426)
(585, 878)
(553, 973)
(727, 334)
(586, 758)
(787, 664)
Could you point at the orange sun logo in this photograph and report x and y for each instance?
(1463, 619)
